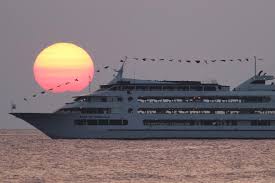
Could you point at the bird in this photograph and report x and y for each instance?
(188, 61)
(197, 61)
(223, 60)
(76, 79)
(153, 59)
(144, 59)
(213, 60)
(179, 60)
(106, 67)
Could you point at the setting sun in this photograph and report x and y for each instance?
(63, 67)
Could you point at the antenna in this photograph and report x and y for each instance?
(255, 65)
(90, 81)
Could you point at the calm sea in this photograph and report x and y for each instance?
(30, 157)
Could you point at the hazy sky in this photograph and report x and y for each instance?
(111, 29)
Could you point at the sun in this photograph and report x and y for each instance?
(63, 67)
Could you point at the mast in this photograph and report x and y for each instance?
(255, 66)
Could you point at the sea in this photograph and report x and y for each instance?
(28, 156)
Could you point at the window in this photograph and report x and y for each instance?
(103, 122)
(189, 123)
(92, 122)
(260, 123)
(100, 122)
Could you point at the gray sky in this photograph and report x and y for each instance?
(111, 29)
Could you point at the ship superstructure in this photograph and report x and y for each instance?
(140, 109)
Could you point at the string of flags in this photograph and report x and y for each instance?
(51, 89)
(197, 61)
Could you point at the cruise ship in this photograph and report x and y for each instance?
(147, 109)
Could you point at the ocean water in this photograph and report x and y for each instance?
(28, 156)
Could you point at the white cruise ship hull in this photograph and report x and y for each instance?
(61, 126)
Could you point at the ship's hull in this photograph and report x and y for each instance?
(59, 126)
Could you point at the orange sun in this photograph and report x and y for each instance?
(63, 67)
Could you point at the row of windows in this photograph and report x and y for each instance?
(100, 122)
(201, 123)
(98, 99)
(166, 88)
(87, 110)
(203, 111)
(205, 99)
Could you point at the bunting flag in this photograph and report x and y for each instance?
(198, 61)
(51, 89)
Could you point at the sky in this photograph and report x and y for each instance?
(109, 30)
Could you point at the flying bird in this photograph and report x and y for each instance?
(197, 61)
(189, 61)
(171, 60)
(161, 59)
(67, 83)
(223, 60)
(213, 60)
(153, 59)
(144, 59)
(76, 79)
(43, 92)
(97, 70)
(239, 60)
(106, 67)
